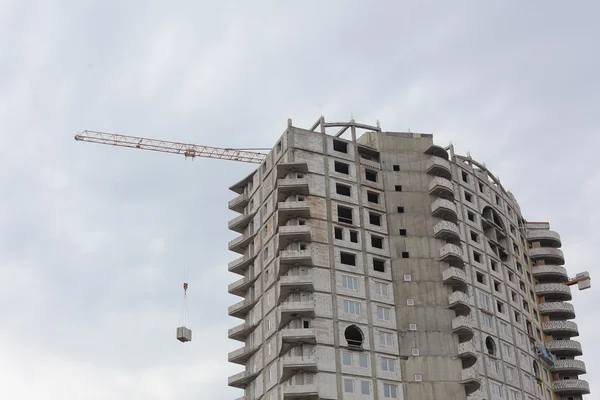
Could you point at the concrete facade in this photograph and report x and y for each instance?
(386, 267)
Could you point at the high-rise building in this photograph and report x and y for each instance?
(388, 267)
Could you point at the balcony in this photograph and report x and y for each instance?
(452, 253)
(438, 151)
(240, 309)
(294, 283)
(441, 187)
(571, 387)
(467, 352)
(444, 209)
(448, 231)
(547, 238)
(295, 309)
(240, 243)
(459, 302)
(553, 291)
(294, 233)
(553, 272)
(292, 365)
(241, 222)
(241, 264)
(469, 377)
(242, 379)
(238, 203)
(439, 167)
(292, 209)
(560, 328)
(454, 277)
(300, 392)
(289, 186)
(241, 332)
(296, 337)
(557, 309)
(576, 367)
(552, 255)
(240, 356)
(241, 286)
(564, 347)
(284, 169)
(291, 258)
(463, 326)
(370, 164)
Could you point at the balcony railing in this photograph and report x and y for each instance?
(459, 301)
(447, 230)
(241, 379)
(560, 328)
(557, 308)
(551, 271)
(570, 366)
(547, 253)
(463, 326)
(451, 251)
(295, 309)
(241, 332)
(300, 392)
(571, 386)
(469, 377)
(443, 208)
(238, 203)
(441, 187)
(454, 277)
(293, 283)
(553, 291)
(438, 166)
(564, 347)
(535, 235)
(241, 264)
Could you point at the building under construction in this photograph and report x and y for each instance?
(378, 265)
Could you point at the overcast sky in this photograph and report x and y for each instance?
(94, 240)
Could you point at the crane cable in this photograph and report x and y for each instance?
(184, 317)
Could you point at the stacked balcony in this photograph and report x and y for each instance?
(291, 365)
(289, 284)
(301, 392)
(241, 286)
(551, 276)
(448, 231)
(439, 167)
(242, 355)
(296, 337)
(242, 331)
(241, 379)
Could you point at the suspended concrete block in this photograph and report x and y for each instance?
(184, 334)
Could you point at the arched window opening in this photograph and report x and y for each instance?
(354, 337)
(490, 346)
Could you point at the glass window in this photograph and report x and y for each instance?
(348, 385)
(385, 339)
(351, 307)
(390, 391)
(381, 288)
(346, 358)
(383, 313)
(350, 282)
(388, 364)
(365, 387)
(363, 361)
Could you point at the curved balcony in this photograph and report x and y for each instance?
(439, 167)
(241, 286)
(571, 386)
(560, 328)
(437, 151)
(296, 337)
(292, 365)
(455, 277)
(547, 238)
(241, 222)
(557, 309)
(295, 309)
(552, 255)
(441, 187)
(469, 377)
(576, 367)
(289, 186)
(444, 209)
(447, 231)
(300, 392)
(238, 203)
(564, 347)
(242, 379)
(240, 356)
(463, 326)
(241, 332)
(291, 258)
(294, 283)
(552, 272)
(240, 243)
(452, 253)
(553, 291)
(288, 234)
(468, 353)
(459, 302)
(292, 209)
(241, 264)
(240, 309)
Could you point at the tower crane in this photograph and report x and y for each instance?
(184, 334)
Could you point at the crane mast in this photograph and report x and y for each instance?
(188, 150)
